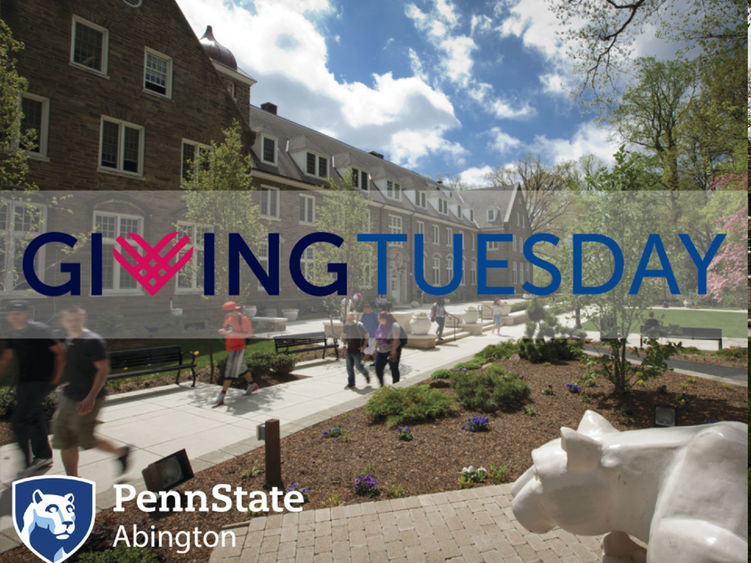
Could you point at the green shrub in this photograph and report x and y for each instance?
(441, 374)
(395, 491)
(494, 389)
(734, 352)
(498, 474)
(283, 364)
(500, 351)
(474, 363)
(259, 363)
(521, 306)
(553, 350)
(410, 404)
(120, 554)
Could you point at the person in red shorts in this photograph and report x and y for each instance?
(235, 329)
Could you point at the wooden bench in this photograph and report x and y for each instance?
(305, 342)
(689, 332)
(146, 361)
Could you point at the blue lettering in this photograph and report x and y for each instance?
(72, 286)
(554, 272)
(615, 250)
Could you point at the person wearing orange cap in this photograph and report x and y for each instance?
(235, 329)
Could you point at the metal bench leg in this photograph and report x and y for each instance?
(193, 371)
(177, 378)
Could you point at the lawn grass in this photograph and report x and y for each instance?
(733, 325)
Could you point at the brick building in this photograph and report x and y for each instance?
(123, 96)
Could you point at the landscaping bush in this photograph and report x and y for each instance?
(259, 363)
(411, 404)
(521, 306)
(441, 374)
(553, 350)
(494, 389)
(500, 351)
(283, 364)
(474, 363)
(734, 352)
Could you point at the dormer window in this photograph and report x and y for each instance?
(317, 165)
(359, 179)
(491, 215)
(459, 211)
(443, 207)
(393, 190)
(421, 199)
(471, 214)
(268, 150)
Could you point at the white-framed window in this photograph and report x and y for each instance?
(493, 245)
(393, 190)
(121, 146)
(459, 211)
(395, 227)
(307, 209)
(268, 150)
(443, 206)
(157, 73)
(308, 263)
(419, 227)
(231, 89)
(317, 165)
(112, 226)
(449, 268)
(262, 255)
(269, 202)
(89, 45)
(421, 199)
(471, 214)
(515, 272)
(449, 237)
(190, 276)
(436, 234)
(436, 270)
(359, 178)
(19, 223)
(490, 214)
(473, 272)
(36, 117)
(191, 152)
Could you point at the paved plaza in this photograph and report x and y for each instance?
(162, 421)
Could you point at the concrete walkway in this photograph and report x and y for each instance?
(472, 525)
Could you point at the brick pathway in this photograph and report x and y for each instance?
(470, 525)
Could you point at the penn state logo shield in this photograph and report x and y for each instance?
(53, 515)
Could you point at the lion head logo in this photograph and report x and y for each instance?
(53, 515)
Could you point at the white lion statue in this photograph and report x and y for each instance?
(53, 513)
(680, 490)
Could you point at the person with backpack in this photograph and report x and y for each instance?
(236, 329)
(438, 315)
(355, 339)
(390, 338)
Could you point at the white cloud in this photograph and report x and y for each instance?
(416, 65)
(281, 47)
(455, 49)
(555, 83)
(480, 24)
(504, 110)
(501, 141)
(535, 24)
(590, 138)
(475, 177)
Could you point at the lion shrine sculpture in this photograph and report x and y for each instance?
(682, 491)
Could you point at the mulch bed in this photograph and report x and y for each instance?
(433, 461)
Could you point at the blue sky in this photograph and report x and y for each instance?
(444, 87)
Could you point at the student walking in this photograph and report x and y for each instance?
(388, 346)
(40, 359)
(438, 314)
(236, 328)
(497, 308)
(86, 369)
(355, 337)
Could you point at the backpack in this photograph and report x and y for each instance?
(402, 337)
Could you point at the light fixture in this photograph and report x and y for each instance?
(665, 415)
(168, 472)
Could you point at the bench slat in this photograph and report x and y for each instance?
(154, 360)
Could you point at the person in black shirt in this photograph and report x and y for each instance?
(355, 339)
(86, 373)
(40, 360)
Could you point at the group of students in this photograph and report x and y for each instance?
(80, 360)
(376, 336)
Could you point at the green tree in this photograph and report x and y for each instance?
(219, 197)
(14, 165)
(652, 112)
(620, 205)
(344, 212)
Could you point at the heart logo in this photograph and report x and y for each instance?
(152, 270)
